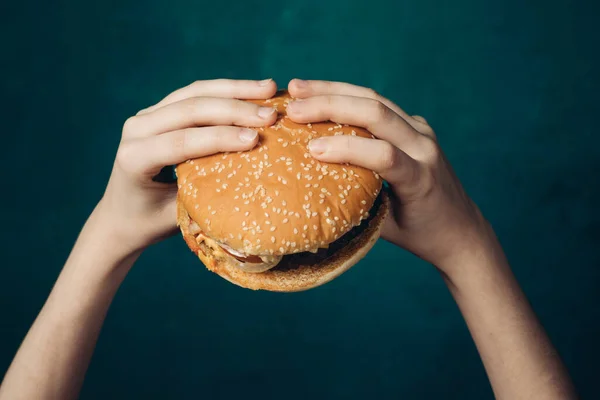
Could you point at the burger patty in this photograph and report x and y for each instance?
(254, 263)
(292, 261)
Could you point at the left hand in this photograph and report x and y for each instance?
(431, 216)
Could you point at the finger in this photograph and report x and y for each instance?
(395, 166)
(226, 88)
(302, 89)
(371, 114)
(148, 155)
(198, 111)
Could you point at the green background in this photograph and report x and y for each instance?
(511, 88)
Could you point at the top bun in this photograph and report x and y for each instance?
(276, 199)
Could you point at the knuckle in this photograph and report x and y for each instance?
(423, 126)
(127, 156)
(330, 101)
(381, 112)
(129, 126)
(346, 145)
(372, 94)
(192, 108)
(430, 150)
(238, 109)
(213, 139)
(197, 83)
(388, 159)
(180, 144)
(420, 119)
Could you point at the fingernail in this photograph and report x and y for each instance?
(301, 83)
(247, 135)
(317, 146)
(265, 112)
(264, 82)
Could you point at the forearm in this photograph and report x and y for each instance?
(54, 356)
(518, 356)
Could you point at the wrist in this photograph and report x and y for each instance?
(102, 246)
(479, 252)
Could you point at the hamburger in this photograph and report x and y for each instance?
(274, 218)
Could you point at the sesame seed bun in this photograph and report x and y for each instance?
(276, 201)
(297, 272)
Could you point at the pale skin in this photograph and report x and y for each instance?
(432, 218)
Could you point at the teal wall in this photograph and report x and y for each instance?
(511, 88)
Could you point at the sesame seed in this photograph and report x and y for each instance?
(247, 213)
(285, 220)
(272, 229)
(343, 201)
(295, 231)
(315, 227)
(273, 239)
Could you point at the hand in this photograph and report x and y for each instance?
(432, 216)
(191, 122)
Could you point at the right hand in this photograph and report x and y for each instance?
(432, 216)
(198, 120)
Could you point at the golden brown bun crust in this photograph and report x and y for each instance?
(276, 199)
(296, 279)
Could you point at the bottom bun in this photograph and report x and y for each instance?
(296, 272)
